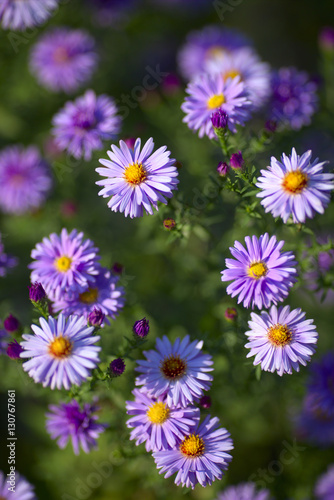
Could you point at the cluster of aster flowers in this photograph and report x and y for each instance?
(262, 275)
(67, 266)
(164, 416)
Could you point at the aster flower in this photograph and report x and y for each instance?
(156, 424)
(324, 488)
(295, 186)
(25, 179)
(244, 491)
(137, 179)
(23, 489)
(201, 457)
(61, 351)
(6, 261)
(63, 59)
(253, 72)
(320, 384)
(65, 262)
(211, 44)
(102, 293)
(179, 371)
(281, 339)
(294, 99)
(82, 125)
(261, 273)
(313, 425)
(208, 93)
(20, 15)
(71, 422)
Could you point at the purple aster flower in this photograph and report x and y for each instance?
(61, 352)
(156, 424)
(244, 491)
(254, 73)
(36, 292)
(20, 15)
(65, 262)
(321, 384)
(102, 293)
(137, 179)
(14, 350)
(294, 99)
(71, 422)
(82, 125)
(313, 425)
(206, 46)
(261, 273)
(281, 339)
(295, 186)
(23, 489)
(201, 457)
(6, 261)
(63, 59)
(117, 367)
(324, 488)
(141, 328)
(25, 179)
(208, 93)
(177, 370)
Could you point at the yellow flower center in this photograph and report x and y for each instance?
(173, 367)
(232, 73)
(135, 174)
(192, 446)
(158, 413)
(216, 101)
(63, 263)
(294, 182)
(257, 270)
(90, 296)
(279, 335)
(61, 347)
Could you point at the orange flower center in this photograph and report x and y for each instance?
(61, 347)
(279, 335)
(192, 446)
(295, 182)
(232, 73)
(90, 296)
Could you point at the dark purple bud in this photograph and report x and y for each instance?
(219, 119)
(171, 84)
(117, 268)
(205, 402)
(130, 142)
(96, 317)
(169, 223)
(178, 165)
(117, 367)
(326, 38)
(11, 324)
(141, 328)
(36, 292)
(237, 161)
(14, 350)
(231, 314)
(223, 168)
(69, 208)
(270, 126)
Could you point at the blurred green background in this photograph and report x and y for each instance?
(174, 282)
